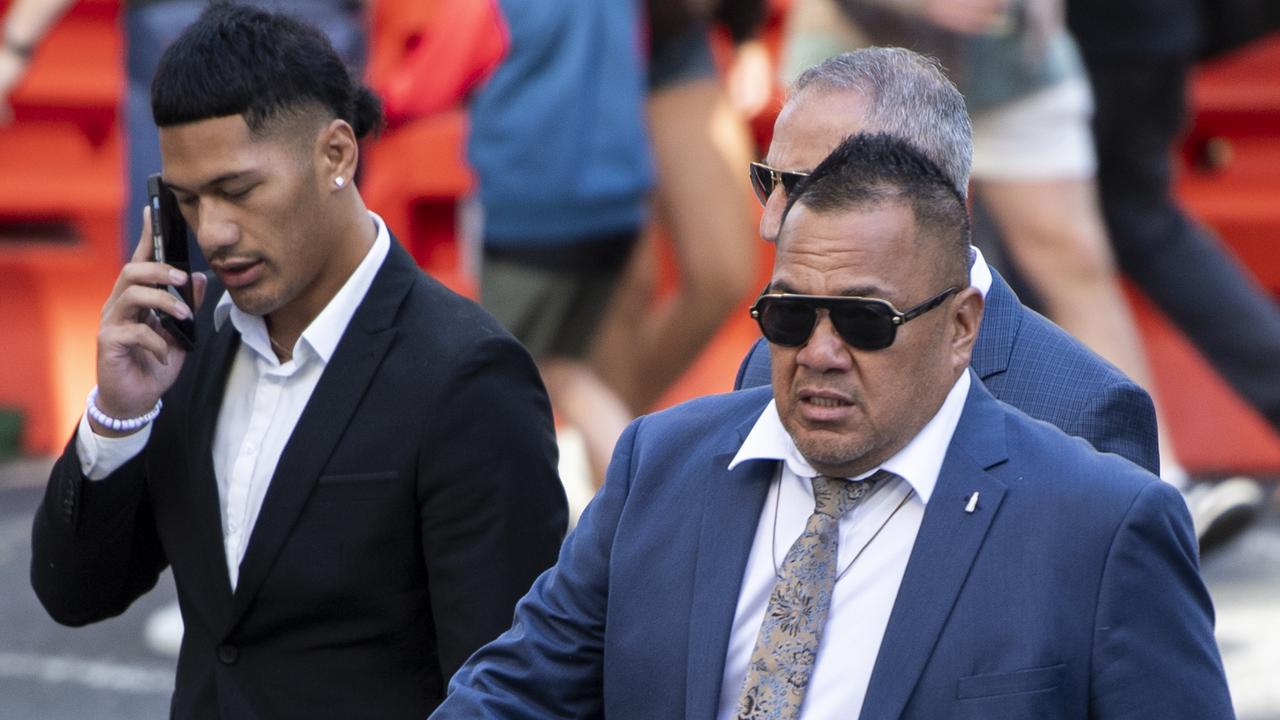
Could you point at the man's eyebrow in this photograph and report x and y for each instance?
(868, 291)
(223, 178)
(871, 291)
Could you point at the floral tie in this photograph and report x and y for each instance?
(788, 643)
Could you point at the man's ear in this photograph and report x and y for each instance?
(966, 317)
(339, 153)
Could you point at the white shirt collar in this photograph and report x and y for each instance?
(919, 462)
(321, 337)
(980, 272)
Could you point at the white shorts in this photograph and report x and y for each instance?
(1044, 136)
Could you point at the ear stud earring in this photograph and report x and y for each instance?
(339, 181)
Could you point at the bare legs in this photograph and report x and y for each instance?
(582, 401)
(1054, 231)
(702, 149)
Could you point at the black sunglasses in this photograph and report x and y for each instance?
(764, 179)
(863, 323)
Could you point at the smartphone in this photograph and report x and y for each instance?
(169, 243)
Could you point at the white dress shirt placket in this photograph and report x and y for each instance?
(249, 468)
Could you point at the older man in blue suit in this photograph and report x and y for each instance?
(1021, 357)
(876, 537)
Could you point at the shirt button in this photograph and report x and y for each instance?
(250, 449)
(231, 526)
(228, 654)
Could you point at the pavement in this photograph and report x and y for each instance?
(112, 671)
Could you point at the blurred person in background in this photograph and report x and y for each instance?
(149, 27)
(1033, 168)
(701, 141)
(1139, 54)
(555, 92)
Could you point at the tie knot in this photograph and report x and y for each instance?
(836, 496)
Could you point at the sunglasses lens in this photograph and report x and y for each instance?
(761, 182)
(786, 323)
(790, 181)
(866, 327)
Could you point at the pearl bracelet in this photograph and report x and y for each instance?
(117, 424)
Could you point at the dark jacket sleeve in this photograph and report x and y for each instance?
(94, 547)
(1154, 653)
(492, 508)
(669, 19)
(742, 18)
(550, 664)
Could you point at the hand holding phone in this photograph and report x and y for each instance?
(169, 246)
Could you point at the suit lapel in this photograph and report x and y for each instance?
(210, 383)
(1001, 319)
(324, 420)
(730, 514)
(948, 542)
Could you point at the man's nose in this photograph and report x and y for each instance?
(771, 218)
(825, 350)
(213, 227)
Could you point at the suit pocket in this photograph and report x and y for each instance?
(352, 478)
(1010, 683)
(357, 486)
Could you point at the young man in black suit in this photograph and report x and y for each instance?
(353, 473)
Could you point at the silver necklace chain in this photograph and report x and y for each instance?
(280, 349)
(773, 544)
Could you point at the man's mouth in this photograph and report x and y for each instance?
(824, 405)
(826, 402)
(237, 273)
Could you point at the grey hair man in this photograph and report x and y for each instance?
(889, 90)
(1022, 358)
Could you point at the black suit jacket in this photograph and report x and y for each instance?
(414, 503)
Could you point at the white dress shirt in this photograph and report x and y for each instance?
(261, 405)
(865, 590)
(980, 273)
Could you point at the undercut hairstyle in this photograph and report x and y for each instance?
(269, 68)
(868, 170)
(908, 96)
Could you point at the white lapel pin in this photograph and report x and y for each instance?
(973, 502)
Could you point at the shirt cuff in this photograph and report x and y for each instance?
(100, 456)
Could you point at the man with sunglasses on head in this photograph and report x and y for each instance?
(874, 535)
(1021, 357)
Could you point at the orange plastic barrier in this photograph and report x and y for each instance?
(60, 197)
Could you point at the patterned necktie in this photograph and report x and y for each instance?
(782, 661)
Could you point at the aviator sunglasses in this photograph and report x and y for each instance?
(863, 323)
(764, 179)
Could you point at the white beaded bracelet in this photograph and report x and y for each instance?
(117, 424)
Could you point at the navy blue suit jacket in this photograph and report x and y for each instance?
(1072, 591)
(1035, 366)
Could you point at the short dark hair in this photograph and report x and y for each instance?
(267, 67)
(868, 169)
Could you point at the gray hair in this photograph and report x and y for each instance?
(908, 96)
